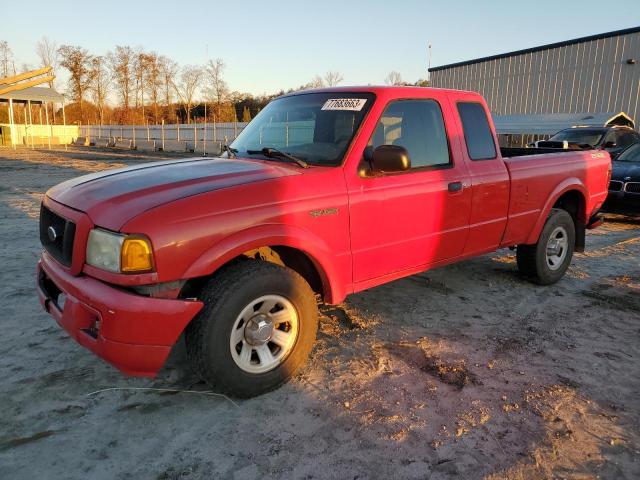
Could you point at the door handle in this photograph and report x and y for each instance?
(455, 187)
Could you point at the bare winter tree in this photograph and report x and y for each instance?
(333, 78)
(140, 62)
(394, 78)
(190, 79)
(217, 88)
(78, 61)
(168, 72)
(121, 66)
(47, 51)
(153, 82)
(100, 84)
(6, 58)
(26, 67)
(316, 82)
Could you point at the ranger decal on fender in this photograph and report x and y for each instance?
(324, 211)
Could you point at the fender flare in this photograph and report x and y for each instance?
(563, 187)
(270, 235)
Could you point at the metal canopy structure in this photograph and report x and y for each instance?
(549, 124)
(22, 89)
(35, 95)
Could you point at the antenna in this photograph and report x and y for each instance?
(429, 65)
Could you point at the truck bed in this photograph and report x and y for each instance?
(539, 175)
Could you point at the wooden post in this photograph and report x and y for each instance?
(11, 124)
(4, 136)
(162, 134)
(64, 123)
(46, 112)
(40, 115)
(204, 139)
(30, 124)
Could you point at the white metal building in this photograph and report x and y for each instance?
(599, 73)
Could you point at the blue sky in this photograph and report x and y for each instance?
(271, 45)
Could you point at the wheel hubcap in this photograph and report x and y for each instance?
(264, 334)
(557, 247)
(258, 330)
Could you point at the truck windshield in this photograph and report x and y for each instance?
(314, 127)
(580, 136)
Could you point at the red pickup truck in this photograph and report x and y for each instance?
(325, 193)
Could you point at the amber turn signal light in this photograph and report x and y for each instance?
(136, 255)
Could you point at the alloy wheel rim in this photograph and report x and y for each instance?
(557, 248)
(264, 334)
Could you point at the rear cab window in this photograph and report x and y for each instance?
(477, 132)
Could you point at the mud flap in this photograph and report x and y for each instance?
(580, 237)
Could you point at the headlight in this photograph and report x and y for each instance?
(119, 253)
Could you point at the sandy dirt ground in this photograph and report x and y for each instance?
(463, 372)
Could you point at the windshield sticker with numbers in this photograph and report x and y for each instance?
(354, 104)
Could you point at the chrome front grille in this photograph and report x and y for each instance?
(632, 187)
(615, 186)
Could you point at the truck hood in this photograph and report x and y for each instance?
(112, 197)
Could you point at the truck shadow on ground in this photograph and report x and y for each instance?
(444, 407)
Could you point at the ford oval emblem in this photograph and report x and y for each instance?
(52, 234)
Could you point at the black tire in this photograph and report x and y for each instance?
(532, 259)
(225, 296)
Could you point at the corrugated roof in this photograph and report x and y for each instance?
(599, 36)
(548, 124)
(33, 94)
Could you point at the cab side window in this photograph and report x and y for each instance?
(477, 132)
(418, 126)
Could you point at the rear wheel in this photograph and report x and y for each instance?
(256, 329)
(547, 261)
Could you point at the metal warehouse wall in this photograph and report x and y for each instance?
(586, 76)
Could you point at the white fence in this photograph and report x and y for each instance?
(194, 132)
(35, 135)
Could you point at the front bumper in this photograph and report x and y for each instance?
(131, 332)
(622, 202)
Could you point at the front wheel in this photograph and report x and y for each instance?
(547, 261)
(256, 329)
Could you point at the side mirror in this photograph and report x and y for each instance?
(390, 158)
(609, 145)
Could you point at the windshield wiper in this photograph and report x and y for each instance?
(275, 153)
(230, 150)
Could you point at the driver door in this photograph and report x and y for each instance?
(415, 218)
